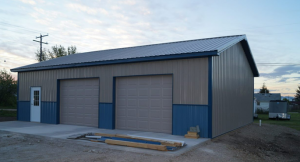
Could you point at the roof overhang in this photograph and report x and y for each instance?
(216, 52)
(131, 60)
(250, 58)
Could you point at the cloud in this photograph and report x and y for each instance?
(283, 80)
(31, 2)
(280, 71)
(88, 10)
(44, 17)
(129, 2)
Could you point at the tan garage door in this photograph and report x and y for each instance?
(79, 102)
(144, 103)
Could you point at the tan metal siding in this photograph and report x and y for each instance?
(232, 89)
(190, 78)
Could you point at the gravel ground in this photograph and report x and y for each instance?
(250, 143)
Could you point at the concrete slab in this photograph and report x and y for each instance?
(63, 131)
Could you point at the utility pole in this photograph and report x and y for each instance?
(41, 42)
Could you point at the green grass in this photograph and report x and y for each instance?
(8, 107)
(4, 113)
(293, 123)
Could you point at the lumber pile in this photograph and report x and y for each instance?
(132, 141)
(193, 133)
(136, 144)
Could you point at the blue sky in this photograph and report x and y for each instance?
(272, 29)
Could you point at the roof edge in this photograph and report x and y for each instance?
(249, 57)
(132, 60)
(247, 50)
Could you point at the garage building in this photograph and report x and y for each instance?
(163, 88)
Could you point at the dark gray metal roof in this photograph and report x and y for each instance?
(197, 48)
(261, 97)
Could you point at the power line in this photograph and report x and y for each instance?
(15, 31)
(31, 30)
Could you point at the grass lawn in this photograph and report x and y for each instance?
(8, 107)
(4, 113)
(293, 123)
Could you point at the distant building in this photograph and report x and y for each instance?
(263, 99)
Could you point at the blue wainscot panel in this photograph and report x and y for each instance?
(106, 116)
(24, 110)
(49, 112)
(186, 116)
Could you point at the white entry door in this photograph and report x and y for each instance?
(35, 107)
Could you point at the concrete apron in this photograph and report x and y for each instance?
(63, 131)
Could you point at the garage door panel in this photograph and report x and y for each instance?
(143, 81)
(144, 92)
(143, 113)
(167, 114)
(157, 80)
(156, 103)
(143, 103)
(143, 125)
(156, 92)
(131, 113)
(167, 102)
(167, 92)
(148, 109)
(79, 99)
(132, 124)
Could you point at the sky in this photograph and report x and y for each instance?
(271, 27)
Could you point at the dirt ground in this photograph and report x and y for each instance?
(250, 143)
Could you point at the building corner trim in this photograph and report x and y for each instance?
(210, 97)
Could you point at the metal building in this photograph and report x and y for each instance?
(165, 87)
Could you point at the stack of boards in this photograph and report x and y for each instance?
(132, 141)
(193, 135)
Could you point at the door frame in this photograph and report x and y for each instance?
(40, 103)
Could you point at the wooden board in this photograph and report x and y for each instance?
(104, 135)
(192, 133)
(166, 143)
(191, 136)
(135, 144)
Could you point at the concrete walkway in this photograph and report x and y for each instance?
(63, 131)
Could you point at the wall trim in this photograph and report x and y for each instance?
(58, 101)
(18, 81)
(210, 96)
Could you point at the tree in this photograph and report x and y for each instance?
(56, 51)
(287, 100)
(264, 89)
(297, 96)
(8, 89)
(44, 55)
